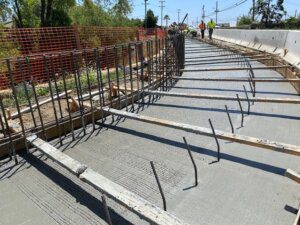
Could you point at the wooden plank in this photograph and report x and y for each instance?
(220, 61)
(27, 109)
(189, 59)
(134, 203)
(221, 97)
(224, 97)
(297, 220)
(257, 142)
(62, 159)
(88, 95)
(234, 68)
(292, 175)
(131, 201)
(237, 79)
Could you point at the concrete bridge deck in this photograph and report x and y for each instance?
(246, 187)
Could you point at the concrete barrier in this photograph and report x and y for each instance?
(285, 43)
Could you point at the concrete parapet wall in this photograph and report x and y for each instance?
(285, 43)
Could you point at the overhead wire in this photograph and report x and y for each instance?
(228, 8)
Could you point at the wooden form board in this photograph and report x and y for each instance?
(27, 109)
(297, 219)
(146, 210)
(234, 68)
(257, 142)
(224, 97)
(292, 175)
(220, 97)
(237, 79)
(194, 59)
(57, 156)
(133, 202)
(221, 61)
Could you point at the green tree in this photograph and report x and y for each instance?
(60, 12)
(136, 22)
(60, 18)
(104, 3)
(34, 13)
(244, 20)
(293, 23)
(166, 18)
(5, 11)
(119, 13)
(268, 12)
(122, 8)
(151, 20)
(89, 14)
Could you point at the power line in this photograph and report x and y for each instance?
(227, 8)
(233, 6)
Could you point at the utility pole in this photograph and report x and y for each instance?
(162, 11)
(253, 10)
(296, 12)
(146, 14)
(217, 10)
(178, 11)
(203, 12)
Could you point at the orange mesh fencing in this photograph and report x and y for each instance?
(16, 44)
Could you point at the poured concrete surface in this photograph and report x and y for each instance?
(246, 187)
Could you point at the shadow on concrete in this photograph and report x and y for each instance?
(10, 168)
(230, 111)
(82, 196)
(236, 90)
(188, 188)
(291, 209)
(205, 151)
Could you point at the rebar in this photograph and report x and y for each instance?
(216, 139)
(159, 185)
(229, 118)
(241, 110)
(193, 161)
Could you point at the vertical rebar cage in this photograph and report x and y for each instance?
(76, 84)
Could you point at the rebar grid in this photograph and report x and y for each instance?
(71, 93)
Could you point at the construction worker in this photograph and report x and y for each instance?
(202, 27)
(211, 25)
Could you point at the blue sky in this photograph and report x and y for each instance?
(194, 8)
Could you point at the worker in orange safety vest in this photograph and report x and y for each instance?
(202, 28)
